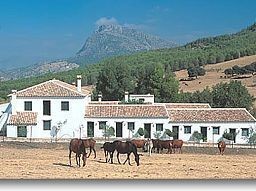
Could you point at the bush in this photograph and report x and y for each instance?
(140, 131)
(108, 131)
(196, 136)
(228, 136)
(169, 133)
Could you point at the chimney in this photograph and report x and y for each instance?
(79, 86)
(100, 97)
(126, 96)
(13, 101)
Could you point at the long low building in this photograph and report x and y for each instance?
(56, 109)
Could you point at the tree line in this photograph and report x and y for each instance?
(247, 69)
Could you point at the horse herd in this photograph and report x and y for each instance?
(78, 146)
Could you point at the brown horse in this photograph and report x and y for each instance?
(127, 148)
(109, 148)
(221, 146)
(140, 143)
(162, 144)
(90, 143)
(76, 146)
(176, 144)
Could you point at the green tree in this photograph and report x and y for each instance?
(232, 94)
(113, 81)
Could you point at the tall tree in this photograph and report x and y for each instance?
(232, 94)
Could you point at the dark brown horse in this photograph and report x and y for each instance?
(176, 144)
(76, 146)
(109, 148)
(127, 148)
(221, 146)
(90, 143)
(155, 145)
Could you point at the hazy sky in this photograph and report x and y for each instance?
(37, 30)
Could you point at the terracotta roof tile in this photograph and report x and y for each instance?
(104, 102)
(210, 115)
(51, 88)
(187, 105)
(131, 111)
(23, 118)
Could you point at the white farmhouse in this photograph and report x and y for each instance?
(57, 109)
(48, 109)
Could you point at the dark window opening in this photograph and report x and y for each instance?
(102, 124)
(131, 126)
(47, 125)
(187, 129)
(159, 127)
(28, 106)
(46, 108)
(64, 106)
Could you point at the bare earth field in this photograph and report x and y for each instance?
(50, 161)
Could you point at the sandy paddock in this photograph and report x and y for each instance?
(50, 161)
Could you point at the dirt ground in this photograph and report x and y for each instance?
(50, 161)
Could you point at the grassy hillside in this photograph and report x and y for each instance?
(201, 52)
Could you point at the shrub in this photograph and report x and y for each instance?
(140, 131)
(196, 136)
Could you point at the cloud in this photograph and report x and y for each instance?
(106, 21)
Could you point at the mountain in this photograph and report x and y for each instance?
(114, 40)
(105, 42)
(38, 69)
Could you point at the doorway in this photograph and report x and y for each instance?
(233, 132)
(90, 129)
(204, 133)
(175, 130)
(147, 130)
(119, 129)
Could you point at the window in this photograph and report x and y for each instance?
(46, 108)
(47, 125)
(216, 130)
(28, 106)
(159, 127)
(22, 131)
(131, 126)
(102, 124)
(245, 132)
(64, 106)
(187, 129)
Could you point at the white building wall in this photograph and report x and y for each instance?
(139, 123)
(11, 131)
(147, 98)
(74, 117)
(225, 126)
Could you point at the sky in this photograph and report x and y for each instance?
(33, 31)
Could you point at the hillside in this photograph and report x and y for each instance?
(115, 40)
(215, 74)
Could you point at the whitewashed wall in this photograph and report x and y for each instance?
(139, 122)
(74, 117)
(213, 137)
